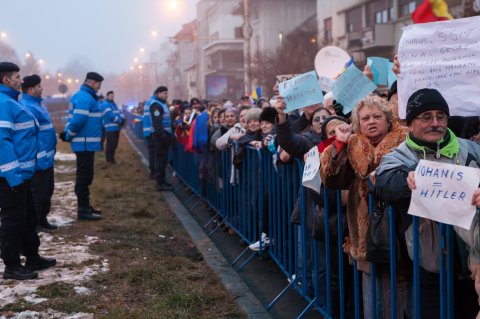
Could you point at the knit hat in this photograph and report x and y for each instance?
(268, 114)
(425, 100)
(94, 76)
(328, 120)
(31, 81)
(253, 114)
(9, 67)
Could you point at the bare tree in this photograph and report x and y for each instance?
(295, 55)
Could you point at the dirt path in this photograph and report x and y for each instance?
(136, 263)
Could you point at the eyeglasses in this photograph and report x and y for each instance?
(318, 119)
(427, 118)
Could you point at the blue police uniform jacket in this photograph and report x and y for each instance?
(112, 117)
(18, 139)
(147, 119)
(84, 127)
(47, 140)
(166, 120)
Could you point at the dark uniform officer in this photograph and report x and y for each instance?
(162, 135)
(84, 131)
(18, 160)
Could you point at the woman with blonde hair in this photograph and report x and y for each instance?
(348, 164)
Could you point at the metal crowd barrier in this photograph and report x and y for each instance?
(258, 196)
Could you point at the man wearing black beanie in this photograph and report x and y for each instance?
(429, 138)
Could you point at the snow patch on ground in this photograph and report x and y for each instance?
(75, 263)
(59, 156)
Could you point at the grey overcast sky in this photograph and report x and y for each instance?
(107, 34)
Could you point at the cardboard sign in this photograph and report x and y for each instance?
(301, 91)
(351, 87)
(444, 56)
(444, 193)
(311, 171)
(285, 77)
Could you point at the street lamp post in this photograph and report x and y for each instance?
(247, 34)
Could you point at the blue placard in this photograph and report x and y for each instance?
(392, 77)
(301, 91)
(379, 67)
(350, 87)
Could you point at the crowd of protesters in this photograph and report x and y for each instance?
(368, 152)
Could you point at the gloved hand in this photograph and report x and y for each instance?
(63, 136)
(339, 109)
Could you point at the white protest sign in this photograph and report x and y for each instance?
(330, 61)
(445, 56)
(301, 91)
(311, 171)
(444, 192)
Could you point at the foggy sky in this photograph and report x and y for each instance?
(106, 34)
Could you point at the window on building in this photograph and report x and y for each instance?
(406, 7)
(383, 11)
(369, 15)
(327, 27)
(354, 19)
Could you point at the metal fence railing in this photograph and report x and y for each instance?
(256, 196)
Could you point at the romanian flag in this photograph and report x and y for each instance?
(431, 11)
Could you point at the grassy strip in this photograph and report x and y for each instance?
(155, 269)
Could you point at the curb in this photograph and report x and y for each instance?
(230, 279)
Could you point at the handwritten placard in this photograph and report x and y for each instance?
(444, 192)
(301, 91)
(444, 56)
(351, 87)
(311, 170)
(285, 77)
(326, 84)
(379, 67)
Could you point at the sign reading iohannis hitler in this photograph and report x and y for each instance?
(301, 91)
(444, 56)
(444, 193)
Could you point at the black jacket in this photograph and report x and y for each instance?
(293, 143)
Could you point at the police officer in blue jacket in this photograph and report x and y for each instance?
(43, 180)
(84, 131)
(19, 151)
(161, 135)
(112, 121)
(147, 134)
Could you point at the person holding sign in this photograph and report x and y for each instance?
(429, 139)
(347, 164)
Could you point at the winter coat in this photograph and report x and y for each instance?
(47, 139)
(84, 127)
(349, 168)
(18, 139)
(295, 144)
(111, 116)
(224, 141)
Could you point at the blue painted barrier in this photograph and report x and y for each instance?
(258, 196)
